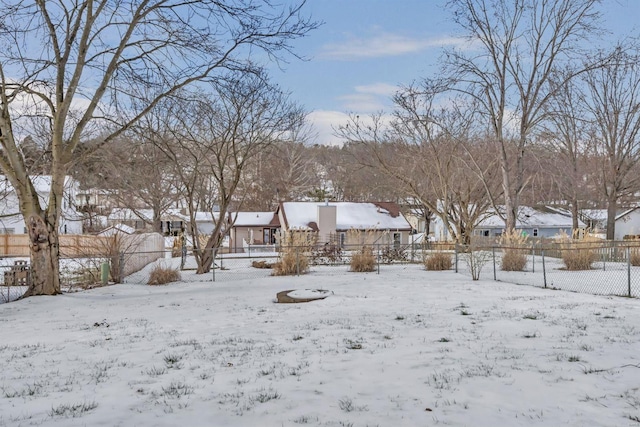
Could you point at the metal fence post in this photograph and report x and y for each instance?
(604, 258)
(533, 257)
(183, 253)
(544, 269)
(493, 250)
(213, 266)
(378, 259)
(455, 248)
(121, 269)
(628, 271)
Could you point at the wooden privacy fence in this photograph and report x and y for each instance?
(75, 246)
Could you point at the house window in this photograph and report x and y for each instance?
(535, 232)
(397, 239)
(343, 239)
(265, 236)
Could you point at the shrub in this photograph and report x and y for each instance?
(295, 247)
(578, 258)
(162, 275)
(513, 259)
(291, 263)
(514, 256)
(476, 258)
(635, 257)
(390, 254)
(577, 254)
(327, 254)
(261, 264)
(438, 261)
(363, 260)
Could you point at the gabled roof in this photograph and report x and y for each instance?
(116, 229)
(254, 219)
(623, 213)
(534, 217)
(349, 215)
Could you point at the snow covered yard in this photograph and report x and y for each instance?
(406, 347)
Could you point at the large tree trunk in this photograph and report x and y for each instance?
(509, 202)
(44, 248)
(574, 217)
(208, 253)
(612, 207)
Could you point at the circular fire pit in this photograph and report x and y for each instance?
(302, 295)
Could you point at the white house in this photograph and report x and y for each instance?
(627, 224)
(12, 222)
(172, 221)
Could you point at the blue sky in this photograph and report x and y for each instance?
(366, 48)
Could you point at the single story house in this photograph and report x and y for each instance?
(252, 228)
(539, 221)
(142, 220)
(333, 221)
(11, 220)
(627, 224)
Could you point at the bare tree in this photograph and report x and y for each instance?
(217, 138)
(514, 47)
(281, 171)
(96, 67)
(564, 133)
(613, 103)
(424, 151)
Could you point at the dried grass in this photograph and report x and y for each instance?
(363, 260)
(577, 254)
(514, 254)
(438, 261)
(291, 263)
(162, 275)
(261, 264)
(295, 249)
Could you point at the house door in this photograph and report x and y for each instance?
(396, 240)
(266, 236)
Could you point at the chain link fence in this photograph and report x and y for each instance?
(257, 263)
(599, 268)
(602, 268)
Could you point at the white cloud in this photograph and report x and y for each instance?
(324, 122)
(381, 45)
(369, 98)
(384, 89)
(362, 102)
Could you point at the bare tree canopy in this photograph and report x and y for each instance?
(94, 68)
(514, 47)
(613, 105)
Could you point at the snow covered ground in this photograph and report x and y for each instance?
(405, 347)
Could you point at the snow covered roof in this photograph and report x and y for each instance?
(124, 214)
(349, 215)
(621, 214)
(530, 217)
(246, 219)
(115, 229)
